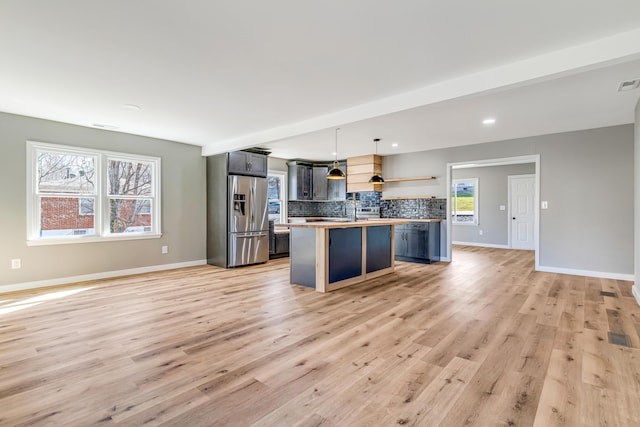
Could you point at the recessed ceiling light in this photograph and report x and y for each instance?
(105, 126)
(488, 121)
(395, 144)
(132, 107)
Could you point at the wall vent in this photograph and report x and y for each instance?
(619, 339)
(629, 85)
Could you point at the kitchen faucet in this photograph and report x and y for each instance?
(355, 207)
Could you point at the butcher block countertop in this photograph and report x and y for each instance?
(349, 224)
(418, 220)
(333, 223)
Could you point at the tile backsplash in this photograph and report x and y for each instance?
(414, 208)
(333, 208)
(366, 199)
(405, 208)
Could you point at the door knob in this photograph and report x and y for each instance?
(513, 217)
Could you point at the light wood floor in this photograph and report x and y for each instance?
(481, 341)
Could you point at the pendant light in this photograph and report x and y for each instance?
(336, 172)
(376, 179)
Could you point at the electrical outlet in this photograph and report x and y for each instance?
(480, 232)
(165, 249)
(16, 263)
(503, 207)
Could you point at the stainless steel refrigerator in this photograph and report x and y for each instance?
(248, 224)
(237, 217)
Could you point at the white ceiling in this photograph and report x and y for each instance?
(284, 74)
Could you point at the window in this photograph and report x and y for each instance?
(130, 190)
(80, 194)
(277, 197)
(86, 206)
(464, 201)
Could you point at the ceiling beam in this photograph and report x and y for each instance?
(619, 48)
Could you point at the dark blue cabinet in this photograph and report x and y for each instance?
(378, 248)
(418, 242)
(345, 253)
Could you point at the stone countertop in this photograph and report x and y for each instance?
(349, 224)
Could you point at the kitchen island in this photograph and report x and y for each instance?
(331, 255)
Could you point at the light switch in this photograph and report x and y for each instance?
(545, 204)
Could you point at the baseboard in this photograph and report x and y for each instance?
(636, 293)
(599, 274)
(96, 276)
(482, 245)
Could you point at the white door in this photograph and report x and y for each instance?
(521, 210)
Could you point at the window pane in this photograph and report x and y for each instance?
(86, 206)
(129, 215)
(60, 216)
(144, 207)
(274, 188)
(275, 209)
(130, 178)
(463, 202)
(65, 173)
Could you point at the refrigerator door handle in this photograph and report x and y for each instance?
(253, 200)
(249, 236)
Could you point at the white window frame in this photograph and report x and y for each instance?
(101, 203)
(283, 201)
(476, 194)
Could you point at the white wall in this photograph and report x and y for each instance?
(586, 177)
(277, 164)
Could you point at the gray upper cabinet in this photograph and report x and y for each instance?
(245, 163)
(300, 179)
(320, 182)
(309, 182)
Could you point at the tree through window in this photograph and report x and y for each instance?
(130, 195)
(84, 193)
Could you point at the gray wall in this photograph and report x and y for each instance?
(183, 205)
(492, 192)
(586, 176)
(637, 203)
(277, 164)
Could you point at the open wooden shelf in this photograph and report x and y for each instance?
(407, 197)
(415, 178)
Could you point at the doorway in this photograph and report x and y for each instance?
(535, 159)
